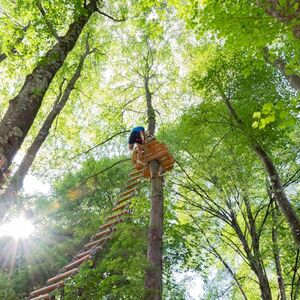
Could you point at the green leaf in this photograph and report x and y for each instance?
(267, 108)
(255, 124)
(256, 115)
(262, 124)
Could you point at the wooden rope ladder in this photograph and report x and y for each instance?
(91, 249)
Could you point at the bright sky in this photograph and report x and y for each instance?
(34, 185)
(193, 282)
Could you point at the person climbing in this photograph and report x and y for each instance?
(136, 140)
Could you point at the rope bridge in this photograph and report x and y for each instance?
(141, 158)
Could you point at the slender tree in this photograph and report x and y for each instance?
(153, 280)
(24, 107)
(16, 182)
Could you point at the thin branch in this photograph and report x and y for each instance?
(50, 26)
(110, 17)
(101, 171)
(100, 144)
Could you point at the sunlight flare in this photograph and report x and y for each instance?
(18, 228)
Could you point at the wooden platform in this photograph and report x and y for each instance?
(153, 150)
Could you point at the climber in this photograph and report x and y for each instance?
(136, 139)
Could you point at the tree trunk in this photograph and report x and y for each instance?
(24, 107)
(276, 253)
(16, 182)
(279, 193)
(254, 260)
(153, 280)
(280, 64)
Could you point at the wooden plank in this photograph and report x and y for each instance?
(62, 276)
(97, 242)
(125, 199)
(42, 297)
(132, 185)
(121, 206)
(76, 263)
(156, 149)
(132, 174)
(124, 212)
(104, 233)
(82, 254)
(127, 192)
(110, 224)
(157, 155)
(47, 289)
(135, 178)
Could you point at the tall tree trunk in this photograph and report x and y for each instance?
(153, 280)
(279, 193)
(24, 107)
(254, 259)
(16, 182)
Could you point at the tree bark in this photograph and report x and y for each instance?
(153, 279)
(24, 107)
(279, 193)
(16, 182)
(280, 64)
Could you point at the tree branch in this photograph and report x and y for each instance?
(50, 26)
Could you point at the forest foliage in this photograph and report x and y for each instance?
(224, 77)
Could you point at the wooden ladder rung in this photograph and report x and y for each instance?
(104, 233)
(121, 206)
(96, 243)
(133, 174)
(76, 263)
(127, 192)
(62, 276)
(47, 289)
(125, 199)
(124, 212)
(42, 297)
(134, 178)
(110, 224)
(82, 254)
(131, 185)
